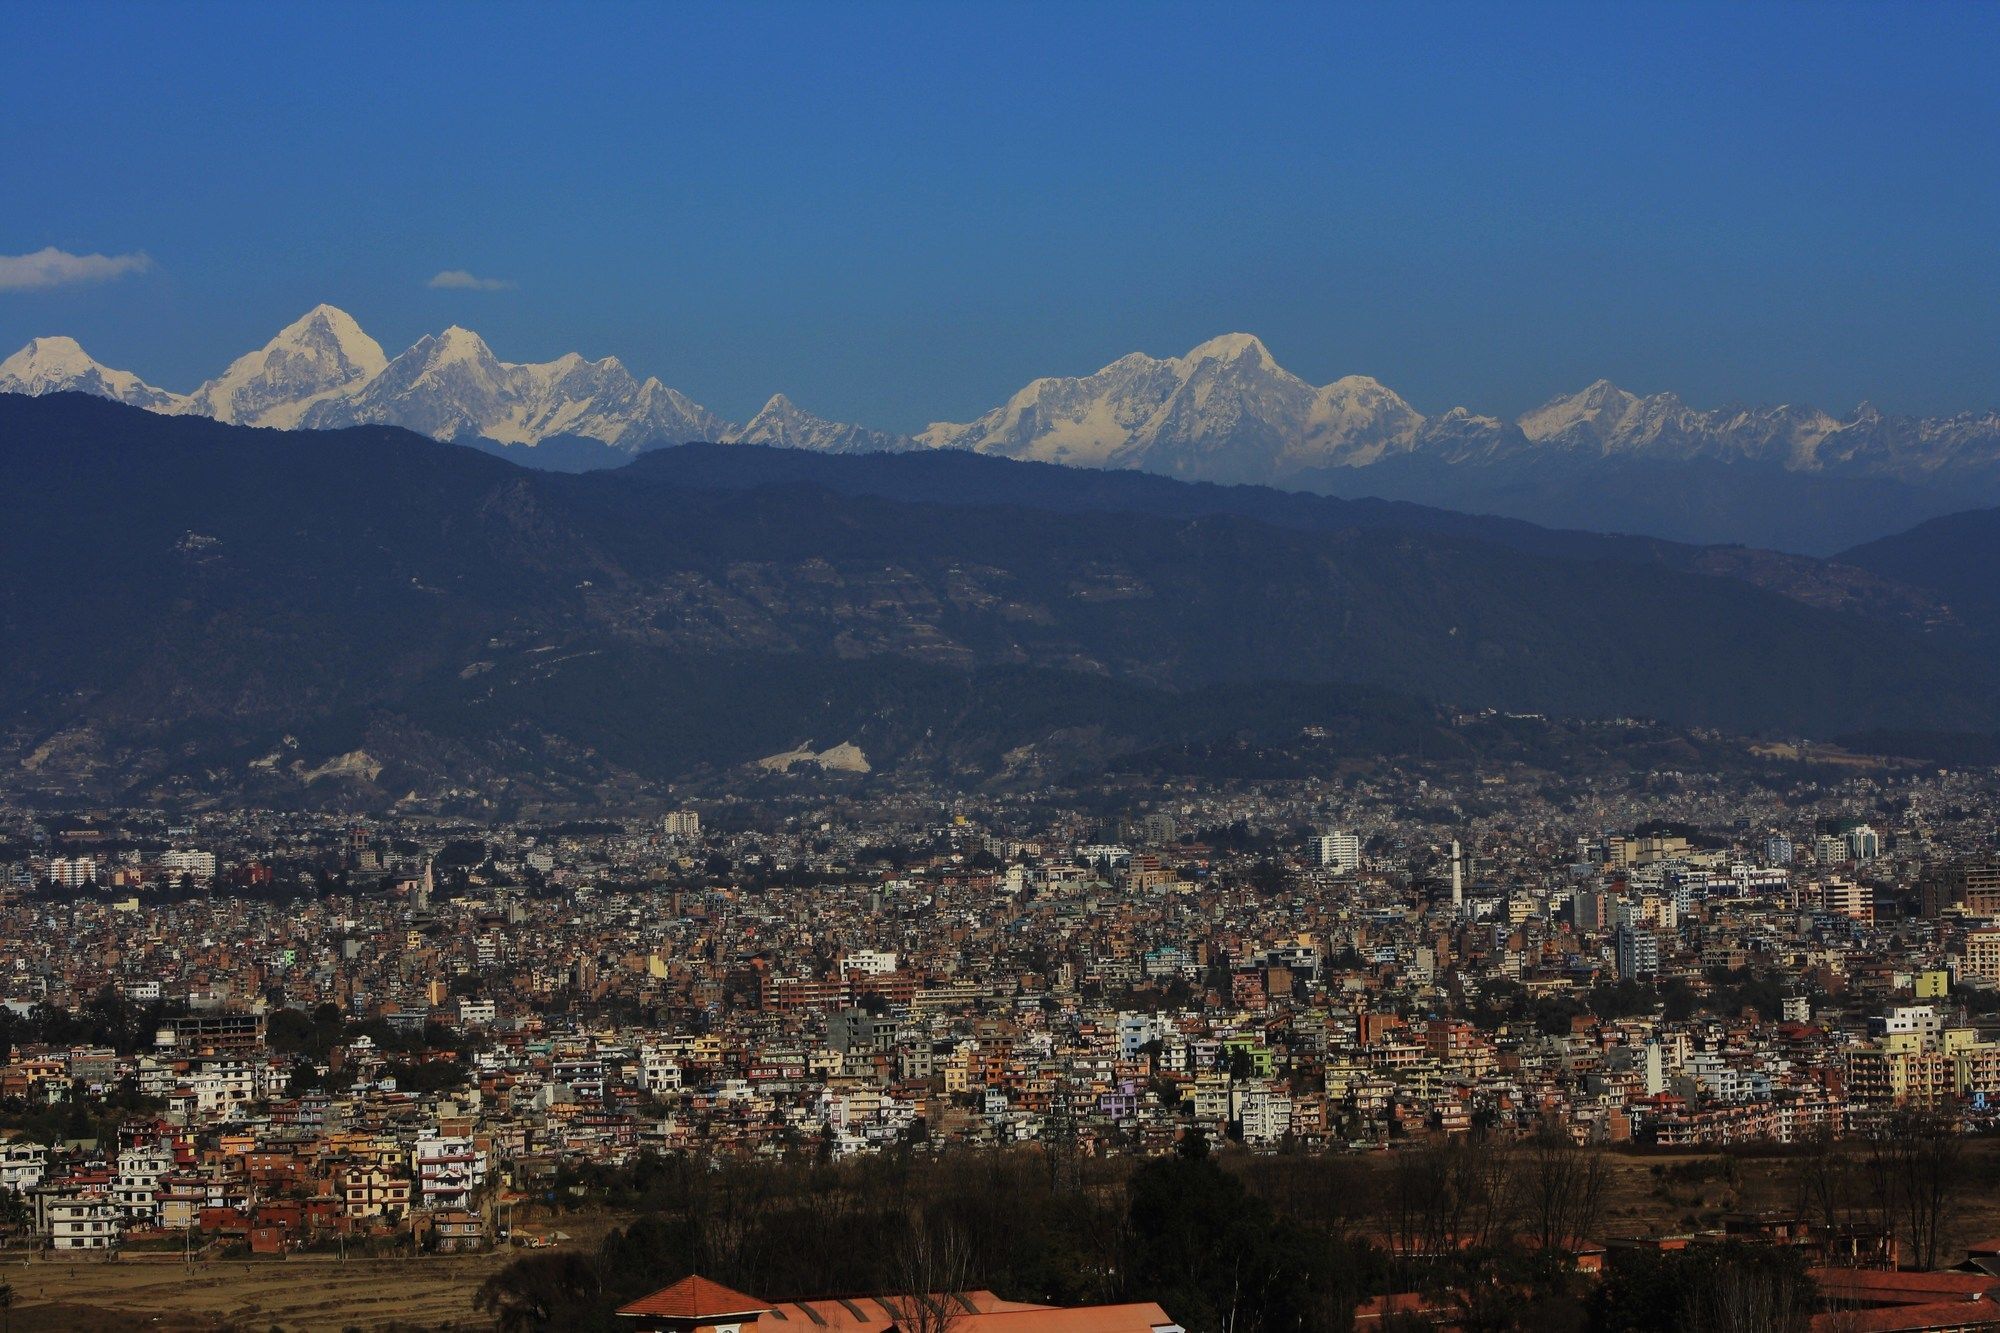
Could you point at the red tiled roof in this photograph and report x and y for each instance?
(698, 1298)
(1378, 1310)
(1879, 1287)
(1911, 1318)
(874, 1314)
(1143, 1318)
(694, 1297)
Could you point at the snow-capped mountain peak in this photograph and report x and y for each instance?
(1608, 421)
(1594, 412)
(445, 385)
(60, 365)
(48, 358)
(322, 354)
(1230, 346)
(458, 343)
(782, 423)
(451, 386)
(46, 364)
(330, 321)
(1226, 410)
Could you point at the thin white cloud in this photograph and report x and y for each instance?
(457, 279)
(51, 267)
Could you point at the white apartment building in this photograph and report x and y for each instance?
(22, 1165)
(1266, 1112)
(1338, 851)
(72, 872)
(870, 962)
(447, 1171)
(79, 1221)
(199, 865)
(136, 1187)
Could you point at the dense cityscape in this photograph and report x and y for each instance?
(284, 1031)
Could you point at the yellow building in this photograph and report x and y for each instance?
(1898, 1070)
(1981, 959)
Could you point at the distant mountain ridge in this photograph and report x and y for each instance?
(363, 615)
(1225, 411)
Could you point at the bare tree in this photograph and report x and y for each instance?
(1880, 1186)
(933, 1268)
(1562, 1190)
(1927, 1154)
(1824, 1177)
(1491, 1170)
(1451, 1194)
(1423, 1203)
(1744, 1298)
(1913, 1171)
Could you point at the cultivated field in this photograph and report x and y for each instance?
(302, 1292)
(1650, 1194)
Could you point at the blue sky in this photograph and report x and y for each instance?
(896, 213)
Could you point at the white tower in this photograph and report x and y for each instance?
(1457, 875)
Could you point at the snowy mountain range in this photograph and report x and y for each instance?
(1228, 412)
(450, 386)
(323, 372)
(1225, 411)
